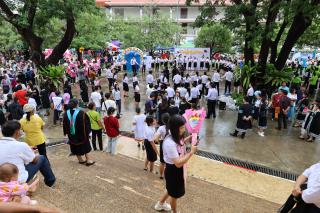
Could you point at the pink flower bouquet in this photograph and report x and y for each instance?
(194, 120)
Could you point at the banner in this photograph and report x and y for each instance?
(192, 52)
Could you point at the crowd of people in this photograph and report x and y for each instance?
(173, 85)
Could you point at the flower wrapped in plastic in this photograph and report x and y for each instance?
(194, 120)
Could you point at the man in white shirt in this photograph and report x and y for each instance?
(96, 98)
(170, 92)
(176, 80)
(204, 80)
(149, 90)
(306, 193)
(134, 64)
(149, 78)
(211, 101)
(108, 103)
(110, 78)
(216, 80)
(57, 103)
(228, 76)
(21, 155)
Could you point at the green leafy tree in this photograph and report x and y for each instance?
(215, 36)
(146, 33)
(9, 39)
(29, 16)
(270, 24)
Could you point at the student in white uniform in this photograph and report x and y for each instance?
(160, 135)
(176, 81)
(139, 127)
(175, 156)
(134, 80)
(149, 78)
(125, 85)
(137, 95)
(170, 92)
(151, 149)
(216, 80)
(117, 97)
(194, 93)
(306, 193)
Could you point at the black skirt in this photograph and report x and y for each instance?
(207, 65)
(195, 64)
(151, 154)
(136, 97)
(189, 64)
(161, 152)
(174, 181)
(125, 87)
(201, 64)
(262, 122)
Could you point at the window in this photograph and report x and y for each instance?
(184, 13)
(119, 11)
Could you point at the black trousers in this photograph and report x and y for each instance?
(175, 86)
(227, 87)
(42, 149)
(299, 205)
(95, 134)
(282, 119)
(217, 87)
(56, 115)
(211, 108)
(110, 83)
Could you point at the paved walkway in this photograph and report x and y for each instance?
(118, 184)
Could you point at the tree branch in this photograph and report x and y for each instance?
(64, 43)
(5, 8)
(32, 12)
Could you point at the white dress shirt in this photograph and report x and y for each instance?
(149, 79)
(250, 91)
(194, 92)
(204, 79)
(170, 92)
(312, 193)
(228, 76)
(216, 77)
(177, 79)
(212, 94)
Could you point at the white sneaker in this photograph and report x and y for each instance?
(160, 207)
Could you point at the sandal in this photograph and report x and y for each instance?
(90, 163)
(82, 162)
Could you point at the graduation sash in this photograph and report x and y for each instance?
(72, 120)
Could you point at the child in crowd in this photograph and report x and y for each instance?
(111, 124)
(11, 190)
(151, 149)
(139, 126)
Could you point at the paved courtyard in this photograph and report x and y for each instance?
(278, 149)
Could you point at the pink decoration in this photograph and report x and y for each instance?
(194, 120)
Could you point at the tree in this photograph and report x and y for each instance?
(29, 16)
(9, 39)
(215, 36)
(261, 23)
(146, 33)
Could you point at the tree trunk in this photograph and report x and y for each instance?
(298, 27)
(273, 11)
(34, 43)
(64, 43)
(275, 43)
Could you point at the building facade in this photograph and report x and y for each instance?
(175, 9)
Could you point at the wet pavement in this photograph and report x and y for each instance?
(278, 149)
